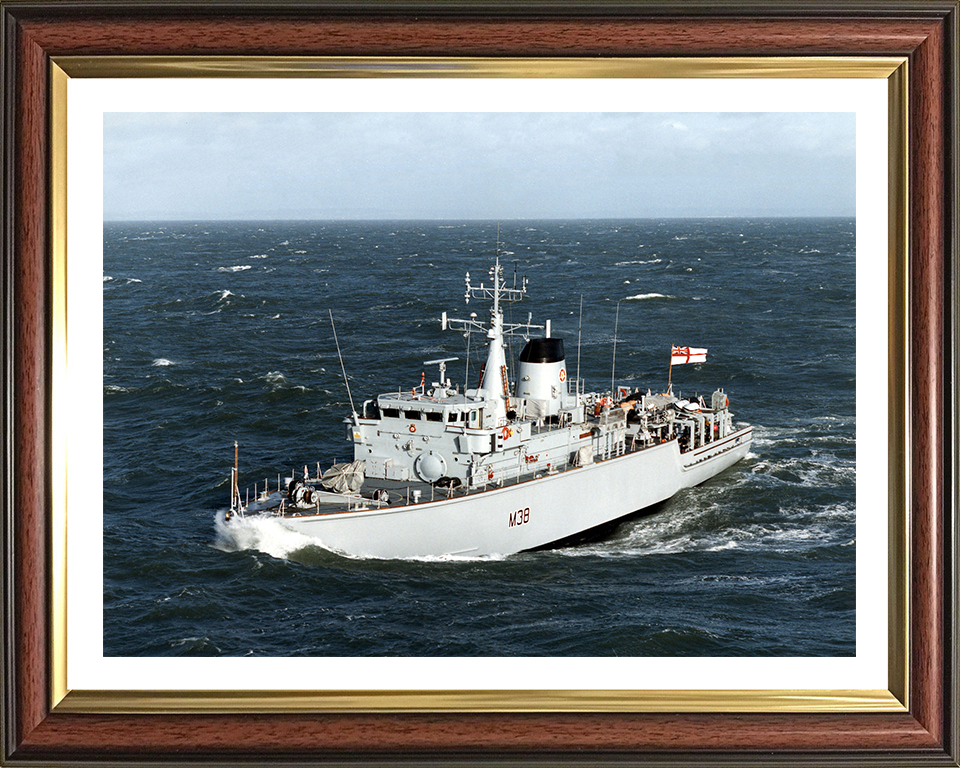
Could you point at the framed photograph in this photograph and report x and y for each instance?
(104, 105)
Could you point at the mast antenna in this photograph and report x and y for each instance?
(342, 368)
(579, 335)
(613, 366)
(466, 373)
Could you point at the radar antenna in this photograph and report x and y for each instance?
(443, 367)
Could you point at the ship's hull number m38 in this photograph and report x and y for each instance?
(519, 517)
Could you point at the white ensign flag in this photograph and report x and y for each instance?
(681, 355)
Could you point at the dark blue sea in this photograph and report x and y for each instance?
(216, 331)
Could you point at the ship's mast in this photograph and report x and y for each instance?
(494, 385)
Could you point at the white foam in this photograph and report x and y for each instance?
(263, 534)
(642, 296)
(238, 268)
(162, 361)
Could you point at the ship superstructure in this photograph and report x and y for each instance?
(502, 468)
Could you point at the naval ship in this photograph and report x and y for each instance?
(500, 468)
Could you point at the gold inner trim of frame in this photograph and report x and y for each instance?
(781, 701)
(59, 405)
(130, 702)
(307, 66)
(898, 414)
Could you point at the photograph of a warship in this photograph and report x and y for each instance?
(504, 467)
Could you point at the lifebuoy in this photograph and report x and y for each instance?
(490, 475)
(413, 427)
(563, 374)
(727, 403)
(505, 432)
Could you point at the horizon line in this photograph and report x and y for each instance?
(480, 219)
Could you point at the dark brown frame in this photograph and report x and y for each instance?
(925, 32)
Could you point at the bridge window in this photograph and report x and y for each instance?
(434, 416)
(391, 413)
(415, 415)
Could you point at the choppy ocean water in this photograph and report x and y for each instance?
(215, 332)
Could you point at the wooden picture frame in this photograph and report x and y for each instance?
(38, 732)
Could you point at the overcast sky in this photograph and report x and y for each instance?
(372, 165)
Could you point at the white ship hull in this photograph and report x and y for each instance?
(526, 515)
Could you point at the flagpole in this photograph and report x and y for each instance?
(670, 373)
(236, 486)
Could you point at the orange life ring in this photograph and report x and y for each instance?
(505, 432)
(413, 427)
(490, 475)
(563, 374)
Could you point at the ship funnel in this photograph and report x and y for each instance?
(542, 376)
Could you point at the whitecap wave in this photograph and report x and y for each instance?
(238, 268)
(638, 261)
(162, 361)
(642, 296)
